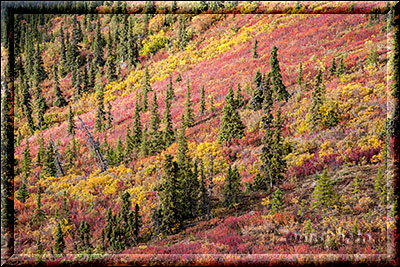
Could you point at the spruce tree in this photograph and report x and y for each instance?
(189, 117)
(71, 122)
(137, 128)
(155, 142)
(98, 46)
(323, 194)
(49, 168)
(41, 107)
(133, 51)
(300, 79)
(41, 152)
(202, 101)
(26, 101)
(255, 55)
(110, 67)
(144, 144)
(60, 100)
(137, 221)
(170, 197)
(179, 78)
(342, 68)
(59, 246)
(332, 68)
(84, 237)
(239, 99)
(23, 193)
(109, 116)
(128, 141)
(204, 196)
(231, 125)
(26, 161)
(100, 113)
(39, 73)
(317, 100)
(146, 88)
(231, 189)
(276, 202)
(277, 85)
(119, 151)
(211, 106)
(39, 215)
(169, 133)
(257, 98)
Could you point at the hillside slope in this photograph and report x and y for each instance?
(349, 144)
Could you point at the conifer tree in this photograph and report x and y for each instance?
(60, 100)
(211, 107)
(380, 188)
(26, 104)
(133, 51)
(84, 237)
(332, 68)
(41, 152)
(26, 161)
(110, 67)
(59, 246)
(202, 101)
(342, 68)
(231, 189)
(23, 193)
(41, 107)
(155, 142)
(119, 151)
(137, 128)
(146, 88)
(182, 34)
(257, 97)
(231, 124)
(278, 164)
(71, 122)
(179, 78)
(189, 117)
(204, 196)
(300, 79)
(170, 197)
(39, 74)
(323, 194)
(239, 99)
(277, 85)
(49, 168)
(39, 214)
(71, 152)
(169, 133)
(128, 141)
(137, 221)
(170, 90)
(63, 54)
(100, 113)
(109, 116)
(98, 46)
(317, 100)
(255, 55)
(276, 202)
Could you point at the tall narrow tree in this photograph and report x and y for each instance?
(189, 117)
(278, 87)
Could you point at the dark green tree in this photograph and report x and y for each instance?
(119, 151)
(169, 133)
(231, 125)
(109, 116)
(144, 144)
(84, 235)
(49, 168)
(137, 221)
(317, 100)
(26, 163)
(100, 113)
(332, 68)
(323, 195)
(342, 68)
(137, 128)
(179, 78)
(60, 100)
(39, 215)
(39, 73)
(300, 79)
(189, 117)
(202, 101)
(59, 246)
(110, 67)
(41, 152)
(277, 201)
(278, 87)
(231, 189)
(204, 196)
(23, 193)
(71, 122)
(98, 44)
(255, 55)
(155, 141)
(239, 99)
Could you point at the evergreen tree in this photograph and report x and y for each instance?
(380, 187)
(342, 68)
(255, 55)
(170, 90)
(109, 116)
(137, 221)
(323, 194)
(169, 133)
(59, 246)
(128, 141)
(231, 189)
(133, 51)
(41, 107)
(98, 46)
(39, 214)
(317, 100)
(211, 107)
(26, 104)
(278, 164)
(146, 88)
(100, 113)
(182, 34)
(23, 193)
(71, 122)
(84, 237)
(257, 98)
(49, 167)
(231, 124)
(170, 197)
(26, 161)
(41, 152)
(155, 142)
(204, 196)
(60, 100)
(277, 85)
(239, 99)
(179, 78)
(332, 68)
(71, 152)
(202, 101)
(189, 117)
(144, 144)
(110, 66)
(137, 128)
(276, 202)
(39, 74)
(119, 151)
(300, 79)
